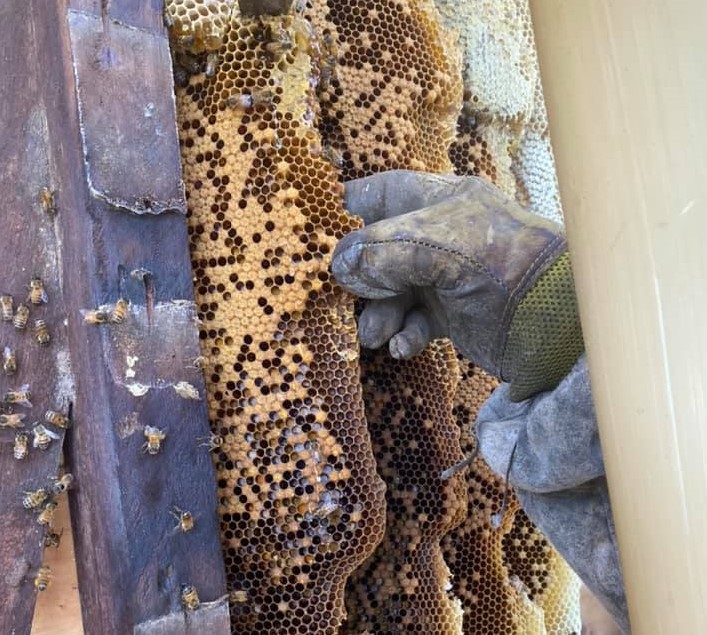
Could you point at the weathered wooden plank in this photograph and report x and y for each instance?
(29, 246)
(145, 14)
(58, 609)
(131, 557)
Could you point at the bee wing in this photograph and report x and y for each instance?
(51, 434)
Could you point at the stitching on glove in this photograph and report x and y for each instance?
(475, 265)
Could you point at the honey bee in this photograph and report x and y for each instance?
(180, 76)
(9, 364)
(96, 316)
(43, 579)
(154, 436)
(62, 484)
(37, 294)
(21, 316)
(21, 397)
(53, 539)
(46, 200)
(11, 421)
(34, 499)
(211, 62)
(186, 519)
(120, 311)
(6, 307)
(238, 596)
(190, 598)
(46, 516)
(57, 419)
(42, 437)
(20, 449)
(213, 442)
(280, 43)
(41, 332)
(334, 156)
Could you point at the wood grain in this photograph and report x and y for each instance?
(119, 377)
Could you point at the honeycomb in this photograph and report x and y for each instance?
(299, 499)
(503, 130)
(403, 586)
(274, 114)
(197, 25)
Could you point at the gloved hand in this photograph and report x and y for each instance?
(467, 264)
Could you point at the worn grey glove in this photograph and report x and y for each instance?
(549, 447)
(467, 264)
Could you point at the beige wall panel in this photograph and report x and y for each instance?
(626, 90)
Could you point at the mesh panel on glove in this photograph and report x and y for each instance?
(545, 338)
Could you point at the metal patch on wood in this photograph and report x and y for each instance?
(126, 111)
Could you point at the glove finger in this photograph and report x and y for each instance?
(380, 320)
(396, 192)
(414, 337)
(396, 255)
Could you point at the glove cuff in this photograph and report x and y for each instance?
(545, 336)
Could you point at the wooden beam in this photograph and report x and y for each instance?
(118, 231)
(30, 245)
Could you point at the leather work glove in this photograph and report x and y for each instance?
(467, 264)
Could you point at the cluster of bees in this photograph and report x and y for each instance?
(185, 519)
(114, 314)
(41, 435)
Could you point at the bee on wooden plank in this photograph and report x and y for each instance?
(42, 437)
(120, 311)
(53, 538)
(186, 519)
(46, 516)
(37, 293)
(154, 436)
(9, 361)
(20, 397)
(43, 578)
(46, 201)
(41, 332)
(7, 308)
(63, 484)
(190, 598)
(20, 448)
(58, 419)
(21, 317)
(11, 420)
(97, 316)
(33, 499)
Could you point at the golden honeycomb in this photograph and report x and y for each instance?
(503, 130)
(299, 499)
(301, 504)
(403, 586)
(197, 25)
